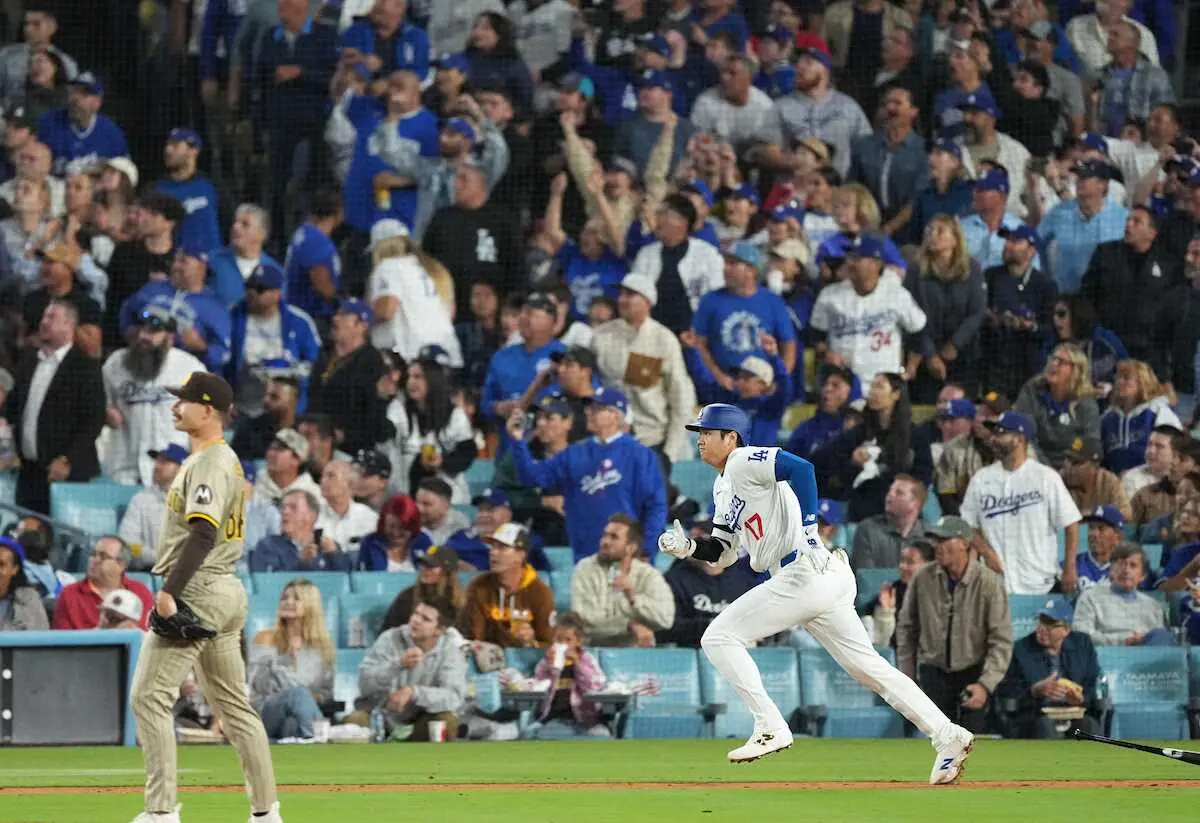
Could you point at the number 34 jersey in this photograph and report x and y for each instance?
(210, 486)
(762, 513)
(868, 329)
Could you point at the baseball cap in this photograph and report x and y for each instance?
(386, 229)
(156, 317)
(746, 252)
(641, 284)
(744, 192)
(434, 354)
(294, 440)
(460, 125)
(961, 409)
(983, 101)
(193, 247)
(623, 164)
(454, 61)
(1093, 168)
(815, 145)
(541, 300)
(125, 603)
(443, 556)
(574, 81)
(757, 367)
(202, 387)
(1015, 422)
(373, 463)
(513, 535)
(996, 401)
(950, 527)
(1056, 609)
(1109, 515)
(89, 82)
(1021, 232)
(189, 136)
(656, 43)
(701, 188)
(779, 33)
(1093, 141)
(791, 249)
(492, 497)
(786, 211)
(266, 275)
(359, 308)
(1084, 450)
(821, 56)
(949, 146)
(652, 79)
(555, 404)
(831, 512)
(1042, 30)
(173, 452)
(608, 396)
(64, 253)
(576, 354)
(866, 245)
(250, 470)
(18, 116)
(993, 180)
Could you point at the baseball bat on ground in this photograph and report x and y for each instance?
(1175, 754)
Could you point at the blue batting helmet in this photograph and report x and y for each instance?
(722, 417)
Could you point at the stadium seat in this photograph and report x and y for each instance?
(869, 581)
(663, 562)
(479, 475)
(1148, 687)
(95, 508)
(781, 677)
(523, 660)
(487, 690)
(468, 511)
(694, 479)
(836, 705)
(381, 582)
(243, 576)
(560, 583)
(675, 710)
(1024, 609)
(844, 537)
(263, 609)
(931, 512)
(345, 678)
(1062, 542)
(8, 487)
(562, 558)
(145, 578)
(361, 610)
(465, 577)
(270, 585)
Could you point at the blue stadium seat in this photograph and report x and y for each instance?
(869, 581)
(243, 576)
(1062, 542)
(562, 558)
(694, 479)
(96, 508)
(844, 537)
(381, 582)
(270, 585)
(560, 583)
(1148, 686)
(345, 678)
(479, 475)
(523, 660)
(487, 690)
(465, 577)
(8, 487)
(850, 709)
(931, 512)
(663, 562)
(1024, 609)
(781, 677)
(675, 710)
(1194, 671)
(368, 608)
(264, 608)
(468, 511)
(145, 578)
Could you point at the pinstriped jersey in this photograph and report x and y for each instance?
(210, 486)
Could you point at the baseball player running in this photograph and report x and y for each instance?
(200, 613)
(766, 502)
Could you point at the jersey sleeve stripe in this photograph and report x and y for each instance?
(203, 516)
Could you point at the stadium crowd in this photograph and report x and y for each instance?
(945, 250)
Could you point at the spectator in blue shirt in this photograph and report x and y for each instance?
(715, 16)
(729, 322)
(762, 388)
(638, 135)
(982, 226)
(298, 547)
(589, 268)
(838, 387)
(231, 266)
(776, 74)
(312, 264)
(384, 43)
(514, 368)
(892, 163)
(1104, 534)
(79, 136)
(947, 190)
(617, 85)
(1073, 229)
(191, 188)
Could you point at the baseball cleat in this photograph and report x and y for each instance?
(951, 758)
(158, 817)
(272, 816)
(760, 745)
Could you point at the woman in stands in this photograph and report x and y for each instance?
(391, 548)
(1061, 403)
(21, 606)
(291, 666)
(1075, 322)
(856, 212)
(437, 582)
(495, 61)
(1137, 404)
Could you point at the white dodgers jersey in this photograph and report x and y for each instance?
(761, 512)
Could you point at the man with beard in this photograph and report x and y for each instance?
(252, 435)
(191, 188)
(967, 453)
(136, 379)
(79, 136)
(145, 257)
(985, 143)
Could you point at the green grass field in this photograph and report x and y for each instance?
(328, 783)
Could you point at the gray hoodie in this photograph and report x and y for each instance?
(439, 681)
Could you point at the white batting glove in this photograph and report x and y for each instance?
(676, 542)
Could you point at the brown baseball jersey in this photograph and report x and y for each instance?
(210, 486)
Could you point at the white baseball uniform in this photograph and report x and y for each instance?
(762, 514)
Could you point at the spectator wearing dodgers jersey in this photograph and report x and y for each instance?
(866, 315)
(79, 136)
(1017, 506)
(183, 182)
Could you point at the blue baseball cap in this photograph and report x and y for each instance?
(89, 82)
(949, 146)
(1056, 609)
(787, 211)
(655, 43)
(189, 136)
(652, 79)
(193, 247)
(1093, 141)
(157, 318)
(831, 512)
(608, 396)
(574, 81)
(983, 101)
(820, 55)
(14, 545)
(173, 452)
(1021, 232)
(359, 308)
(1093, 168)
(555, 404)
(743, 251)
(744, 192)
(492, 497)
(460, 125)
(454, 61)
(993, 180)
(780, 34)
(701, 188)
(1013, 422)
(961, 409)
(435, 354)
(250, 470)
(266, 275)
(1109, 515)
(866, 245)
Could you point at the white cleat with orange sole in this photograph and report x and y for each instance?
(951, 759)
(760, 745)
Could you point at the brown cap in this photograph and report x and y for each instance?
(63, 253)
(202, 387)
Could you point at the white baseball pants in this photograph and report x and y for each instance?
(817, 591)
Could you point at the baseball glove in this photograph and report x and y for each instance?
(183, 625)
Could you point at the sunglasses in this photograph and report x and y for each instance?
(1061, 314)
(155, 324)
